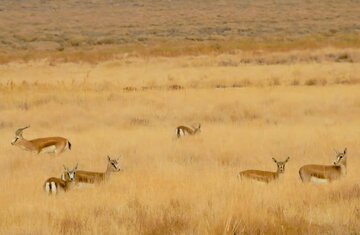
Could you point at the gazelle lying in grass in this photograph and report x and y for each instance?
(185, 130)
(54, 185)
(265, 176)
(96, 177)
(325, 173)
(54, 145)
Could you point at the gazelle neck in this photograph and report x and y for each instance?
(69, 184)
(108, 171)
(25, 144)
(278, 173)
(343, 166)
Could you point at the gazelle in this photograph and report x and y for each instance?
(54, 185)
(185, 130)
(96, 177)
(325, 173)
(54, 145)
(265, 176)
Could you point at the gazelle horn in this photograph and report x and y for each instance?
(20, 130)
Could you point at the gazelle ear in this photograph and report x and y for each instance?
(118, 158)
(108, 158)
(345, 150)
(65, 167)
(274, 160)
(287, 159)
(77, 164)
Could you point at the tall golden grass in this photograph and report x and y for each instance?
(130, 107)
(328, 66)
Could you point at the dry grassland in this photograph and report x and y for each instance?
(131, 106)
(264, 78)
(83, 30)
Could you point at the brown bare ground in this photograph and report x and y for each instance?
(85, 30)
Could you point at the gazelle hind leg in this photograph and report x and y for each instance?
(59, 149)
(239, 176)
(179, 132)
(47, 187)
(53, 188)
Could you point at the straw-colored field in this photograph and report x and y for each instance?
(264, 78)
(131, 106)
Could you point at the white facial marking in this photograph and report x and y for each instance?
(71, 175)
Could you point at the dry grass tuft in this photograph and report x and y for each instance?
(311, 82)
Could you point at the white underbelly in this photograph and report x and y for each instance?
(259, 182)
(316, 180)
(48, 149)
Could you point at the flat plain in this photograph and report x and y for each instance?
(254, 103)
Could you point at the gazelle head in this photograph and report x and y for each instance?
(113, 164)
(197, 129)
(18, 135)
(281, 165)
(69, 175)
(340, 157)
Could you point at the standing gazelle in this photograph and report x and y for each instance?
(54, 185)
(185, 130)
(54, 145)
(96, 177)
(325, 173)
(265, 176)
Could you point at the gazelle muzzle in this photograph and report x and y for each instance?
(15, 140)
